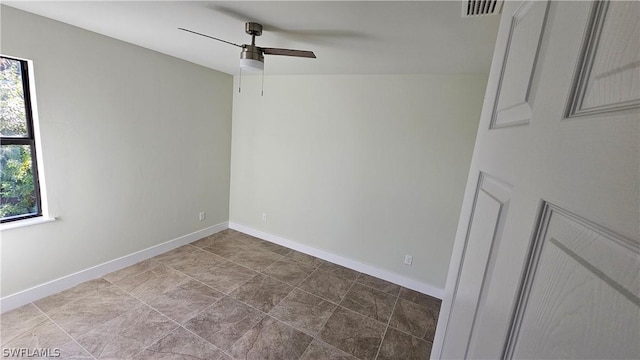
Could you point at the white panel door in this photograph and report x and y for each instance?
(546, 262)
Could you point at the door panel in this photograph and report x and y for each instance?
(581, 287)
(570, 291)
(512, 102)
(484, 234)
(610, 61)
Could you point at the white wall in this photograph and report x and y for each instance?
(369, 168)
(136, 143)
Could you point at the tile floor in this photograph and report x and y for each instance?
(228, 296)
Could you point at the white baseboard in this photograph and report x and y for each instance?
(24, 297)
(346, 262)
(40, 291)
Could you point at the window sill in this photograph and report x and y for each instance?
(26, 222)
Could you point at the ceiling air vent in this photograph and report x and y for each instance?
(480, 7)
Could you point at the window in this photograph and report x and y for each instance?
(19, 187)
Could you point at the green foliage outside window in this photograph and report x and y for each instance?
(17, 187)
(13, 118)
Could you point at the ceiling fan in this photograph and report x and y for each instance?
(252, 56)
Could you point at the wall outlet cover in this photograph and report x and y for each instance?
(408, 259)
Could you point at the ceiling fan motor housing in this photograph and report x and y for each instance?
(252, 52)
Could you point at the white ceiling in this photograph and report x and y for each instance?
(348, 37)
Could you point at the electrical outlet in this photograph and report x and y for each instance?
(202, 215)
(408, 260)
(264, 217)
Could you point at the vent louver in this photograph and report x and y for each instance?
(472, 8)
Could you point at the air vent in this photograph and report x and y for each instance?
(472, 8)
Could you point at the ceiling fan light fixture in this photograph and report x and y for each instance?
(251, 58)
(251, 65)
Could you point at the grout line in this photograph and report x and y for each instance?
(308, 345)
(325, 324)
(307, 348)
(163, 314)
(386, 329)
(179, 325)
(340, 350)
(317, 335)
(207, 341)
(281, 300)
(337, 305)
(198, 313)
(156, 310)
(160, 338)
(409, 334)
(241, 284)
(64, 331)
(314, 337)
(308, 276)
(382, 291)
(345, 294)
(316, 295)
(226, 260)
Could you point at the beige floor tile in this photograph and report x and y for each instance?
(305, 259)
(271, 339)
(212, 239)
(181, 345)
(225, 322)
(339, 270)
(226, 277)
(185, 301)
(417, 320)
(327, 285)
(82, 315)
(289, 271)
(398, 345)
(275, 248)
(255, 258)
(79, 291)
(353, 333)
(44, 335)
(379, 284)
(123, 275)
(262, 292)
(175, 254)
(18, 321)
(420, 299)
(194, 262)
(319, 350)
(228, 246)
(304, 311)
(369, 302)
(153, 282)
(127, 334)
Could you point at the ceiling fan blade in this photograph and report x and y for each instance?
(288, 52)
(210, 37)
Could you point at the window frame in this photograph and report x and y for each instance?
(29, 140)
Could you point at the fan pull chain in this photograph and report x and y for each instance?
(262, 91)
(240, 82)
